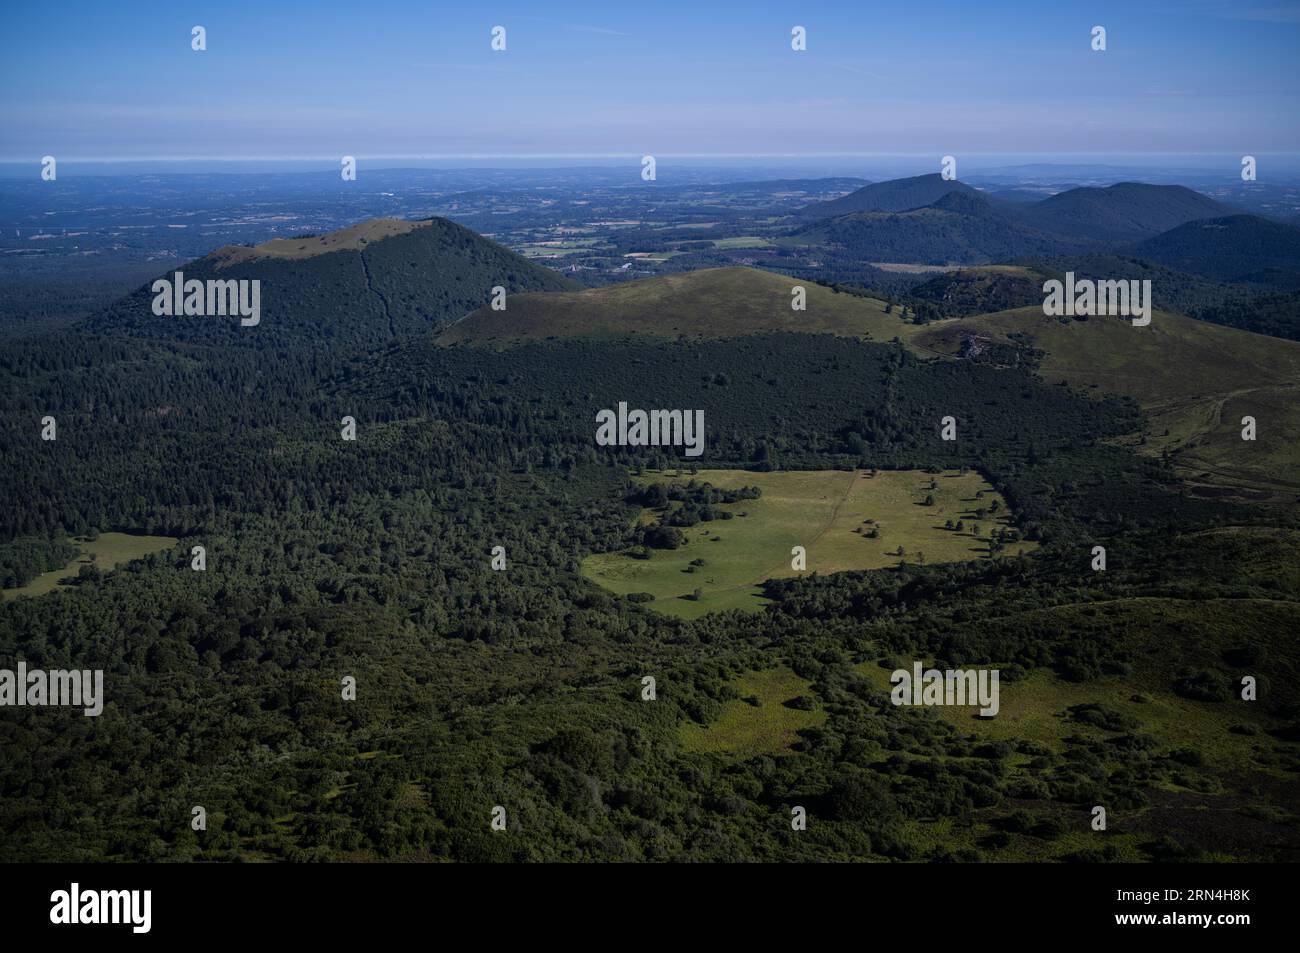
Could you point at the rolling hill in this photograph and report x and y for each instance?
(896, 195)
(1245, 249)
(365, 284)
(961, 227)
(712, 303)
(929, 220)
(1195, 380)
(1125, 212)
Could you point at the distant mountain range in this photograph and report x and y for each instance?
(896, 195)
(926, 219)
(1128, 211)
(960, 226)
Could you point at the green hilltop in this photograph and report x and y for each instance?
(1195, 380)
(712, 303)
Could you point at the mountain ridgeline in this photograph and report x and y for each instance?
(929, 220)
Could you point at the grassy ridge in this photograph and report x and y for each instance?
(713, 303)
(1195, 380)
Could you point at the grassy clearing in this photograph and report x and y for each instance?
(643, 256)
(1036, 708)
(1212, 801)
(760, 722)
(743, 241)
(1165, 637)
(828, 512)
(107, 552)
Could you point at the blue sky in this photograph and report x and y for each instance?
(94, 80)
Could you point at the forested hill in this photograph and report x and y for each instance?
(1126, 211)
(961, 227)
(896, 195)
(1245, 249)
(362, 285)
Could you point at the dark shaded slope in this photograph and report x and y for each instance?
(1125, 212)
(1245, 249)
(412, 278)
(961, 228)
(896, 195)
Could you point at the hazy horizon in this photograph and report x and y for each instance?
(403, 79)
(1276, 167)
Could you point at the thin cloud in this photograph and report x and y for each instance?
(575, 27)
(595, 29)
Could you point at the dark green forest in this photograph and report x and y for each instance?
(371, 559)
